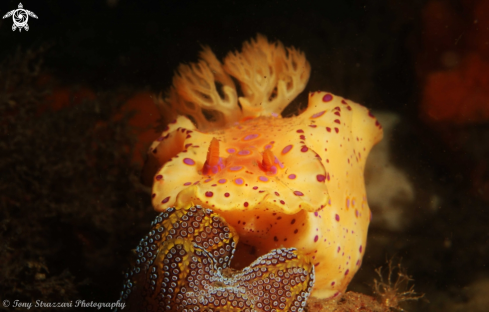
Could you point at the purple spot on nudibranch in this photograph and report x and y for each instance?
(239, 181)
(337, 217)
(304, 149)
(268, 146)
(316, 115)
(246, 204)
(292, 176)
(286, 149)
(300, 131)
(164, 201)
(250, 137)
(263, 179)
(209, 194)
(361, 248)
(221, 181)
(298, 193)
(187, 183)
(332, 283)
(347, 271)
(159, 177)
(321, 177)
(207, 180)
(244, 152)
(226, 194)
(235, 168)
(327, 98)
(316, 238)
(189, 161)
(279, 163)
(231, 150)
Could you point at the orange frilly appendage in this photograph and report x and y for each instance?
(269, 75)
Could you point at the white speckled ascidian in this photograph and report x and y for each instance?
(279, 182)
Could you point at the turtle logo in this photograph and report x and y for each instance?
(20, 18)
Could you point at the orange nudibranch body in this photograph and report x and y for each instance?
(279, 182)
(315, 201)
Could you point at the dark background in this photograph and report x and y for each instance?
(356, 48)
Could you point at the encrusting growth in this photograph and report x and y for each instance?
(391, 295)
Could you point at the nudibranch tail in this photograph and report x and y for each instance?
(183, 265)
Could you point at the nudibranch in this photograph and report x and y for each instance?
(183, 265)
(280, 182)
